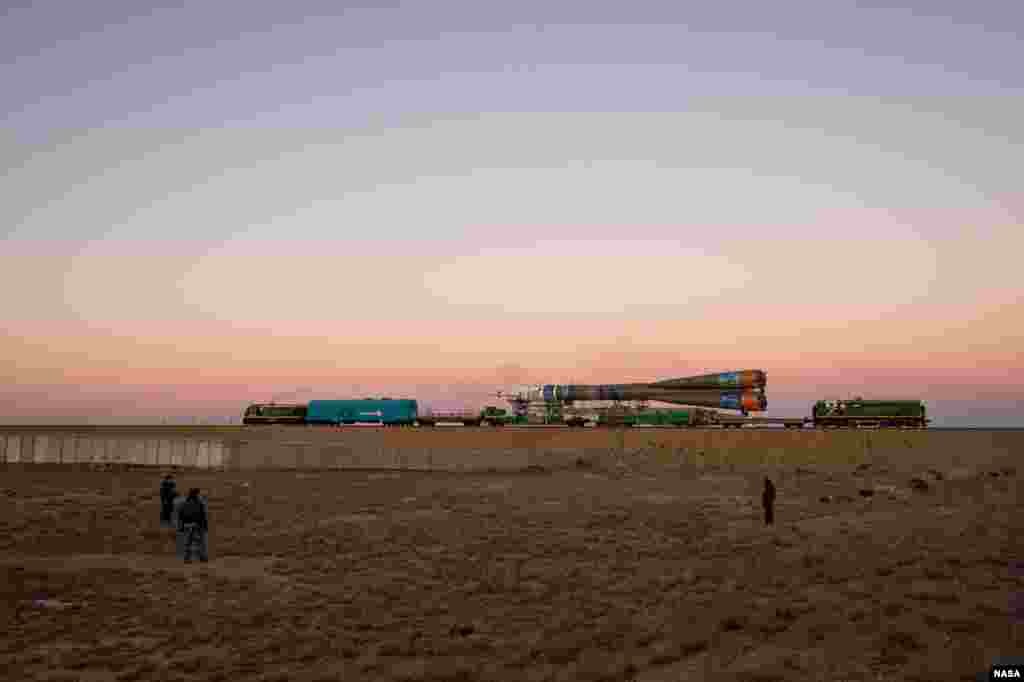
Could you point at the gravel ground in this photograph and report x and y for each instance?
(633, 571)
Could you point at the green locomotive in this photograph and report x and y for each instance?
(271, 413)
(860, 413)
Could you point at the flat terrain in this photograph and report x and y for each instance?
(649, 566)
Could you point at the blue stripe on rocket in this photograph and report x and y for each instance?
(729, 401)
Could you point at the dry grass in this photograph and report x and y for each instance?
(644, 562)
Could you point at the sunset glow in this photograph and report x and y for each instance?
(435, 204)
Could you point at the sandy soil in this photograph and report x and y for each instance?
(641, 570)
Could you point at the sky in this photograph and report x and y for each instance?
(207, 204)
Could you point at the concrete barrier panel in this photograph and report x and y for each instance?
(217, 456)
(48, 448)
(190, 457)
(152, 452)
(138, 451)
(164, 448)
(29, 454)
(85, 450)
(28, 449)
(178, 452)
(13, 449)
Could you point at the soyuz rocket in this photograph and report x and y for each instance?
(742, 390)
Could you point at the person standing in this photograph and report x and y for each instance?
(168, 491)
(768, 502)
(193, 527)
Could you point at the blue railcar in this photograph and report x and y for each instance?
(385, 411)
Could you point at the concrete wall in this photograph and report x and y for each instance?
(42, 448)
(460, 449)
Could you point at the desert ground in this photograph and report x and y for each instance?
(643, 566)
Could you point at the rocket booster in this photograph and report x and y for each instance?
(750, 399)
(742, 390)
(747, 378)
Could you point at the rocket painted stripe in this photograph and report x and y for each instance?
(729, 401)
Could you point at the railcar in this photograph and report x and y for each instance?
(386, 411)
(273, 413)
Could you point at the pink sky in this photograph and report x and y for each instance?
(203, 368)
(194, 277)
(203, 205)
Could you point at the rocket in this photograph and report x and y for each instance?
(742, 390)
(747, 378)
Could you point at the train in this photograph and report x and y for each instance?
(856, 413)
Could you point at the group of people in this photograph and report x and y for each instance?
(190, 518)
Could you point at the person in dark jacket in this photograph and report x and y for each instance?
(168, 491)
(193, 527)
(768, 502)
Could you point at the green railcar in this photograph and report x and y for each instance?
(676, 418)
(271, 413)
(860, 413)
(664, 418)
(495, 416)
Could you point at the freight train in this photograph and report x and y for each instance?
(827, 414)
